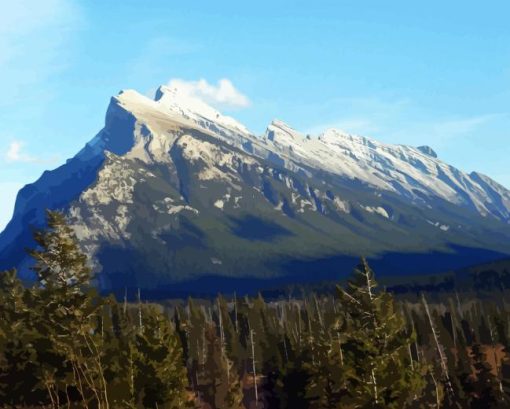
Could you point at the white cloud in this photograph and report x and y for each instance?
(223, 94)
(16, 154)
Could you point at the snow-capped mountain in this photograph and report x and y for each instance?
(171, 190)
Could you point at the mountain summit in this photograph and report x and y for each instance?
(173, 195)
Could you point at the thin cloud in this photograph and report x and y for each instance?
(223, 94)
(359, 126)
(457, 127)
(359, 115)
(395, 121)
(16, 154)
(442, 133)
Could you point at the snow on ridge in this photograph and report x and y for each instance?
(280, 130)
(193, 108)
(414, 172)
(401, 169)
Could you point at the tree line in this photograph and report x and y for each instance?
(62, 345)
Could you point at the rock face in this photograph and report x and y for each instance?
(172, 195)
(427, 150)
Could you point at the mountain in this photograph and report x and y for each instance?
(171, 195)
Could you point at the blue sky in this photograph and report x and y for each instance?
(435, 72)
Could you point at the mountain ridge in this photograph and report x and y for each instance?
(183, 192)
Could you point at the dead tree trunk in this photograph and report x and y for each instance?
(439, 347)
(254, 367)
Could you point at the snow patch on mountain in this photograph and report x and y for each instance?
(414, 173)
(342, 205)
(176, 100)
(377, 210)
(180, 208)
(441, 226)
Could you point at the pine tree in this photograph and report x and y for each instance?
(19, 358)
(328, 372)
(293, 388)
(59, 262)
(67, 311)
(119, 356)
(223, 390)
(484, 386)
(375, 346)
(160, 376)
(230, 335)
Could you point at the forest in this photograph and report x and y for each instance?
(63, 345)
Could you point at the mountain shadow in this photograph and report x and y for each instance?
(254, 228)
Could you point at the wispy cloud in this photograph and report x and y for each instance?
(16, 154)
(401, 121)
(444, 132)
(222, 94)
(453, 128)
(359, 115)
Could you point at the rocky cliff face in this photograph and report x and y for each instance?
(172, 191)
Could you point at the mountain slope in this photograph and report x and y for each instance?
(172, 191)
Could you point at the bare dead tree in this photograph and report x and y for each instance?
(140, 318)
(235, 312)
(439, 347)
(253, 365)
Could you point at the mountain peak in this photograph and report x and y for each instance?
(182, 102)
(171, 96)
(427, 150)
(163, 169)
(282, 133)
(337, 136)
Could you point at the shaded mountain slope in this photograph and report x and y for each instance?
(172, 192)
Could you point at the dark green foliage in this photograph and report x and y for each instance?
(222, 385)
(61, 345)
(376, 347)
(64, 346)
(160, 377)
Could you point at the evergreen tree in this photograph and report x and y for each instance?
(62, 345)
(293, 388)
(19, 358)
(376, 347)
(328, 370)
(484, 387)
(120, 353)
(67, 313)
(160, 376)
(223, 390)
